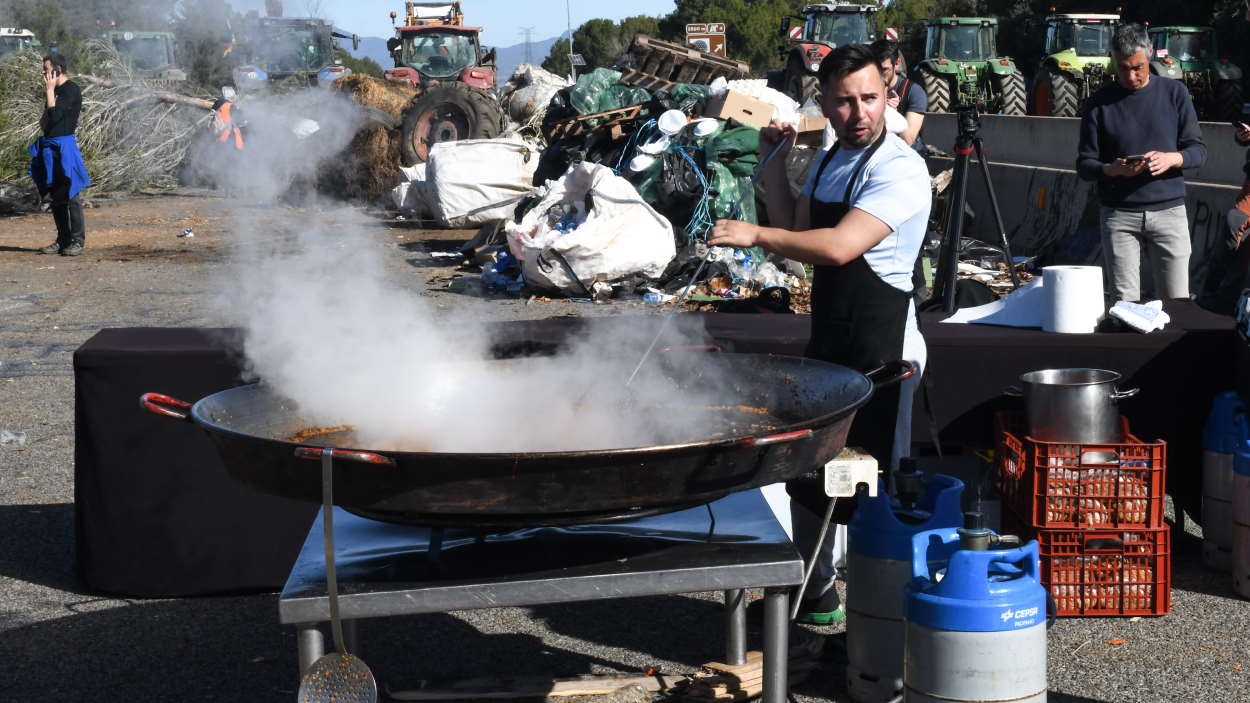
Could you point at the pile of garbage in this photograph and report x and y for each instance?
(602, 189)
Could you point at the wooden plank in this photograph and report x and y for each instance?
(536, 686)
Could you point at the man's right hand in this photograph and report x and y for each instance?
(774, 134)
(1121, 168)
(1242, 134)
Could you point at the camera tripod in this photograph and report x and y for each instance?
(948, 259)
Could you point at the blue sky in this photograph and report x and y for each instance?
(501, 20)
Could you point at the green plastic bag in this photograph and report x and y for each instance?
(688, 95)
(738, 149)
(601, 90)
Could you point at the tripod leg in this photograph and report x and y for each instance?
(948, 264)
(998, 215)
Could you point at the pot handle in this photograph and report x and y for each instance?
(891, 372)
(1121, 395)
(1013, 391)
(159, 404)
(777, 438)
(693, 347)
(314, 454)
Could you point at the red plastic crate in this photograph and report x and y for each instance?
(1057, 484)
(1104, 572)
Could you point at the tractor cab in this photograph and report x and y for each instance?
(1191, 55)
(839, 24)
(1083, 35)
(151, 53)
(961, 39)
(823, 28)
(434, 45)
(1185, 44)
(281, 48)
(13, 39)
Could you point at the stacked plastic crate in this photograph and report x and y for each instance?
(1096, 511)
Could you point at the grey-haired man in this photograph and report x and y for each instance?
(1137, 133)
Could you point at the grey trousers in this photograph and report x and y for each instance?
(1165, 234)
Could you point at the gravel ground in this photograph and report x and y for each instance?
(60, 643)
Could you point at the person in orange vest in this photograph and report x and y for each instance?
(224, 123)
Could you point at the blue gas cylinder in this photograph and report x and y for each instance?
(975, 622)
(879, 549)
(1241, 519)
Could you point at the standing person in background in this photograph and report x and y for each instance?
(1230, 264)
(905, 96)
(56, 163)
(1137, 133)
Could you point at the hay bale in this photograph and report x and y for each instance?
(367, 169)
(391, 97)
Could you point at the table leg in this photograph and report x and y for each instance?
(351, 636)
(735, 627)
(311, 643)
(776, 644)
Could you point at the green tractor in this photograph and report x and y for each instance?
(962, 67)
(151, 54)
(1077, 63)
(1190, 54)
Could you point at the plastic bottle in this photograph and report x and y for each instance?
(14, 438)
(652, 298)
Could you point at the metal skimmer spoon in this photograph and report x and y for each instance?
(337, 676)
(668, 317)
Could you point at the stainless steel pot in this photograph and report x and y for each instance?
(1072, 405)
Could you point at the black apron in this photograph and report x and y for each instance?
(858, 320)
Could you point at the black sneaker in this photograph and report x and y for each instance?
(74, 249)
(53, 248)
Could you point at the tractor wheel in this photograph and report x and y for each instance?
(448, 112)
(801, 84)
(1065, 101)
(938, 91)
(1010, 89)
(1228, 100)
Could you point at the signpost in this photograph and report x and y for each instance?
(708, 37)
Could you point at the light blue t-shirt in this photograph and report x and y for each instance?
(892, 187)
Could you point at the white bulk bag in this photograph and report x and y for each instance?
(621, 236)
(410, 195)
(475, 181)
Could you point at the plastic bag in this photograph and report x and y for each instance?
(475, 181)
(601, 90)
(620, 236)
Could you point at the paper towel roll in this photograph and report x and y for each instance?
(1074, 302)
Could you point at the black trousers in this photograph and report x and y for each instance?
(71, 228)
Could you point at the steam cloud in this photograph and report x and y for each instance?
(324, 329)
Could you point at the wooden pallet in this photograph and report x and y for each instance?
(618, 119)
(659, 65)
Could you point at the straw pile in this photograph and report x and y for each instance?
(369, 167)
(132, 134)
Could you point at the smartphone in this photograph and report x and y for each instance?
(1135, 158)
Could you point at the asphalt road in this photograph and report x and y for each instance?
(61, 643)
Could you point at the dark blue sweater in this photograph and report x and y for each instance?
(1120, 122)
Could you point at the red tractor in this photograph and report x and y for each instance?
(823, 28)
(443, 60)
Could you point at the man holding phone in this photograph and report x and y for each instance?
(1137, 133)
(56, 163)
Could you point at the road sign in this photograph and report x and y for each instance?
(707, 36)
(891, 33)
(576, 60)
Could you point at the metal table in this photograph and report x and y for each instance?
(386, 569)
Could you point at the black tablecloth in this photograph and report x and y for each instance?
(157, 514)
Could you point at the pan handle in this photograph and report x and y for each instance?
(1121, 395)
(314, 454)
(693, 347)
(158, 404)
(777, 438)
(891, 372)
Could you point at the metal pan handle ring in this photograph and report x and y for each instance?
(777, 438)
(161, 404)
(314, 454)
(890, 373)
(1121, 395)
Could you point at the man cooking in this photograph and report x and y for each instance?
(860, 220)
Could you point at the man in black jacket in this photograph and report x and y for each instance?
(56, 163)
(1137, 133)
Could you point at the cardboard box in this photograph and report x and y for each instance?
(743, 108)
(812, 130)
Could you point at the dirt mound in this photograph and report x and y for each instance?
(390, 97)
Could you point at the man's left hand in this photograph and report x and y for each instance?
(733, 233)
(1160, 162)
